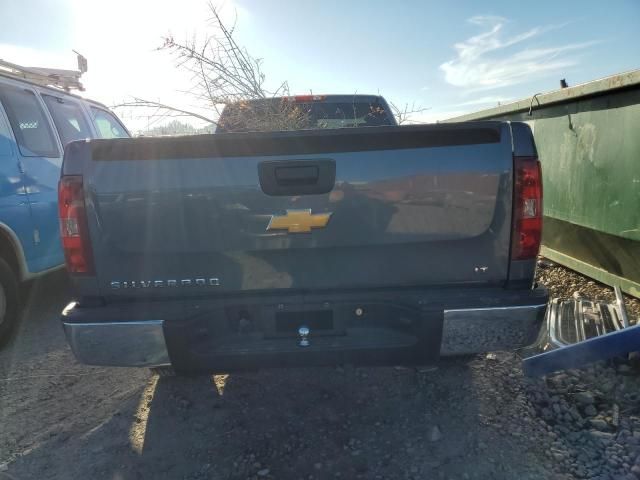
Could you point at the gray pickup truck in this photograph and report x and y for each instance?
(365, 245)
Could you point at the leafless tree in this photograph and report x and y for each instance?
(407, 113)
(161, 109)
(222, 73)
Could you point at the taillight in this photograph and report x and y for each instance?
(73, 225)
(527, 208)
(305, 98)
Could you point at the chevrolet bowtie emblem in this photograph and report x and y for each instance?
(298, 221)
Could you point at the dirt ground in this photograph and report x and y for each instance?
(469, 418)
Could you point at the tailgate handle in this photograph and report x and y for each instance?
(297, 177)
(302, 175)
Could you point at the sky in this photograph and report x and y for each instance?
(448, 58)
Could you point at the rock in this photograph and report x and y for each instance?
(590, 410)
(263, 473)
(4, 467)
(584, 398)
(435, 435)
(599, 424)
(603, 436)
(545, 263)
(428, 369)
(581, 472)
(317, 466)
(558, 380)
(636, 470)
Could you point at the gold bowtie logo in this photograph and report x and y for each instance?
(298, 221)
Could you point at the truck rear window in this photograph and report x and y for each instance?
(284, 115)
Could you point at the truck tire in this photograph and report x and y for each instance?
(10, 309)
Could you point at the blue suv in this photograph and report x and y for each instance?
(36, 122)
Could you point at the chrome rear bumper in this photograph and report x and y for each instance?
(476, 330)
(141, 343)
(121, 344)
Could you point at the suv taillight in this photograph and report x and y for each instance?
(73, 225)
(527, 208)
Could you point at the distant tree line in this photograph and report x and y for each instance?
(176, 127)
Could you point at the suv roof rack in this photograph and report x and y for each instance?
(47, 77)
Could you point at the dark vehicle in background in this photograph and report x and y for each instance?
(381, 245)
(306, 112)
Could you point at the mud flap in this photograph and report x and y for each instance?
(579, 332)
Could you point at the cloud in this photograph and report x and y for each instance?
(488, 60)
(484, 101)
(436, 115)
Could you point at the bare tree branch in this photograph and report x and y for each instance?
(224, 74)
(161, 108)
(404, 115)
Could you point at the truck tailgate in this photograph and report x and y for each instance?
(305, 210)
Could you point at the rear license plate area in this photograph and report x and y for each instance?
(287, 322)
(319, 321)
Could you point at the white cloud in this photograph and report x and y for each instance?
(484, 101)
(488, 60)
(435, 115)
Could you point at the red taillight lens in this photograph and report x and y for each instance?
(73, 225)
(306, 98)
(527, 208)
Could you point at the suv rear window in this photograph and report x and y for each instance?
(107, 124)
(68, 118)
(29, 123)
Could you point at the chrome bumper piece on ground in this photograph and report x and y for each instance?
(580, 331)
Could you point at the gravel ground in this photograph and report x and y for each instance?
(469, 418)
(565, 283)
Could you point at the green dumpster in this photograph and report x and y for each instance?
(588, 140)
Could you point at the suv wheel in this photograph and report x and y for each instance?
(9, 302)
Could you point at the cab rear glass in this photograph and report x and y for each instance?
(264, 115)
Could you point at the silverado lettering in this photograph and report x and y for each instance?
(185, 282)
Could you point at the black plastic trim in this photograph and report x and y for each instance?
(295, 142)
